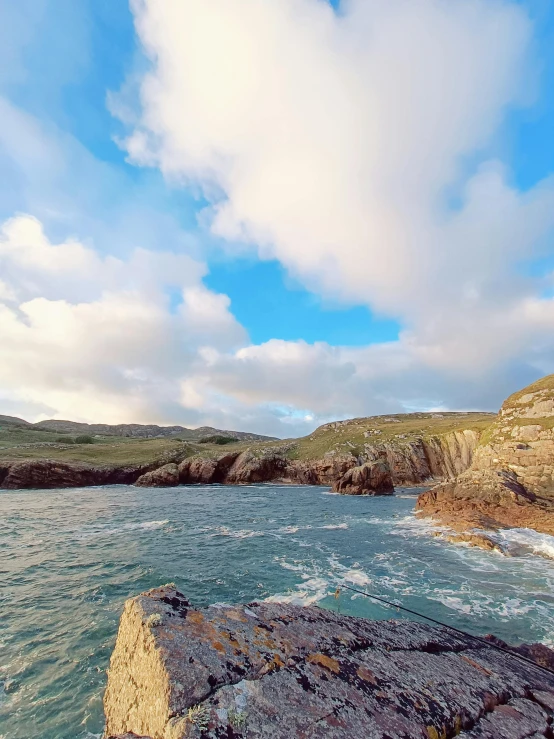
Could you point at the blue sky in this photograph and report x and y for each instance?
(288, 278)
(70, 66)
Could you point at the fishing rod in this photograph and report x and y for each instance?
(446, 626)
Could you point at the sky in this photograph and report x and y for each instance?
(265, 216)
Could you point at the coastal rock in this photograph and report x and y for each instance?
(371, 478)
(49, 473)
(282, 671)
(411, 462)
(324, 471)
(483, 499)
(206, 471)
(165, 476)
(511, 479)
(250, 467)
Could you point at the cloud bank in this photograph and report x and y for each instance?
(352, 146)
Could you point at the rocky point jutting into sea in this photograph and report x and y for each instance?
(277, 671)
(510, 482)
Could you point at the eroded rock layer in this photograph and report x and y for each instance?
(281, 671)
(511, 479)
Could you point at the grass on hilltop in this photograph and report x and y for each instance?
(545, 383)
(341, 437)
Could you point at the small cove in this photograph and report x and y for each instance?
(69, 558)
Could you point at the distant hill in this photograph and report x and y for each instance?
(129, 430)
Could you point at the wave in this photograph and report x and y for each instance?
(294, 529)
(334, 526)
(524, 541)
(308, 593)
(110, 530)
(239, 534)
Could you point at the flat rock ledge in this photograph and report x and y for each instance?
(277, 671)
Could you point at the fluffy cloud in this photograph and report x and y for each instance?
(100, 338)
(352, 147)
(90, 337)
(344, 144)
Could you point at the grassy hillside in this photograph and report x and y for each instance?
(27, 442)
(344, 436)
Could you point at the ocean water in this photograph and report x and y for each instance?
(69, 559)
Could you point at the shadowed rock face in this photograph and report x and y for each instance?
(281, 671)
(165, 476)
(511, 479)
(371, 478)
(48, 473)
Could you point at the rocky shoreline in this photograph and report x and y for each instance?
(281, 671)
(510, 483)
(482, 481)
(376, 469)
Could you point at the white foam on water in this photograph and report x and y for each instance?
(110, 530)
(149, 525)
(240, 534)
(294, 529)
(525, 541)
(307, 593)
(334, 526)
(288, 566)
(358, 577)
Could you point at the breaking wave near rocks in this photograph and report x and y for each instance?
(73, 556)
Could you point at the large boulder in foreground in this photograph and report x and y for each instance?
(281, 671)
(511, 480)
(371, 478)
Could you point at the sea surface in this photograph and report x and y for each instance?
(69, 559)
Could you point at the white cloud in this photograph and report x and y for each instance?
(94, 337)
(336, 143)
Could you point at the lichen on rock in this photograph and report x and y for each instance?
(281, 671)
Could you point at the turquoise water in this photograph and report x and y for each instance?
(69, 558)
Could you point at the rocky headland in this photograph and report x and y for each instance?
(282, 671)
(510, 482)
(358, 457)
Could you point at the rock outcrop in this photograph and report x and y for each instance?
(374, 470)
(371, 478)
(511, 478)
(282, 671)
(50, 473)
(165, 476)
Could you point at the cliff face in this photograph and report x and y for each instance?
(280, 671)
(48, 473)
(409, 462)
(511, 479)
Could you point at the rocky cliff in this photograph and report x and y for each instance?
(511, 478)
(281, 671)
(415, 448)
(398, 462)
(49, 473)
